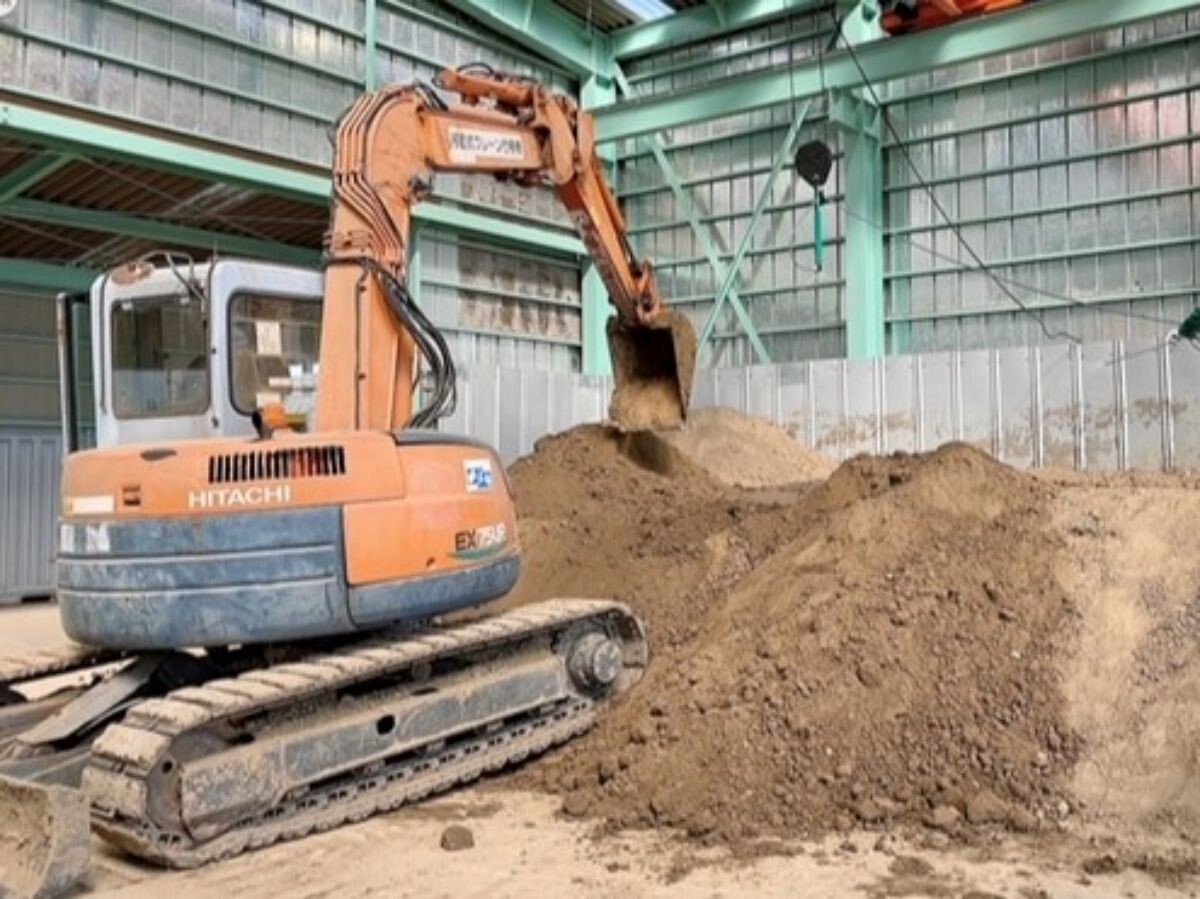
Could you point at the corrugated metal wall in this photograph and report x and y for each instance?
(29, 467)
(28, 360)
(1072, 167)
(1097, 407)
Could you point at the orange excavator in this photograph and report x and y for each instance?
(260, 616)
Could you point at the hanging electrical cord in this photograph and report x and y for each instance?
(430, 343)
(937, 204)
(169, 257)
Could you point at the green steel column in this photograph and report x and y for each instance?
(413, 281)
(370, 42)
(862, 178)
(596, 310)
(863, 249)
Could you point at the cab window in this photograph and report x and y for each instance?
(274, 346)
(160, 357)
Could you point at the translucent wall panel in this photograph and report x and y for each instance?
(269, 75)
(796, 309)
(800, 36)
(1070, 170)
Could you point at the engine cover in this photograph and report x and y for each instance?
(211, 543)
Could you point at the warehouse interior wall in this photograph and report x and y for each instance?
(1071, 169)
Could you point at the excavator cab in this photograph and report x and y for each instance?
(164, 349)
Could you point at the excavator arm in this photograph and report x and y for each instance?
(389, 145)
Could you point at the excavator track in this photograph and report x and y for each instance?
(273, 754)
(23, 667)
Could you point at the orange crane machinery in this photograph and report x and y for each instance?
(268, 603)
(905, 16)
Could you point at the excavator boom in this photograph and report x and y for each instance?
(390, 144)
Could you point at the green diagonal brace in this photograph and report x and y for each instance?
(29, 173)
(783, 156)
(683, 198)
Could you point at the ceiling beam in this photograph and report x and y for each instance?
(70, 134)
(122, 144)
(699, 22)
(29, 274)
(30, 173)
(157, 230)
(545, 28)
(884, 60)
(501, 230)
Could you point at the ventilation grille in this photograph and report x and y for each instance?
(295, 462)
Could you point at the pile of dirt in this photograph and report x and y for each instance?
(734, 449)
(1132, 683)
(879, 647)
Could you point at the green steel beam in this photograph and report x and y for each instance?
(684, 200)
(545, 28)
(783, 156)
(370, 41)
(153, 229)
(596, 310)
(884, 60)
(29, 173)
(28, 274)
(698, 23)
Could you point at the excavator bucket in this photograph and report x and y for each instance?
(44, 833)
(653, 366)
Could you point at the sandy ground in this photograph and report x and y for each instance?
(524, 847)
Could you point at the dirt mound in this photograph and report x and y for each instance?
(734, 449)
(879, 647)
(1132, 682)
